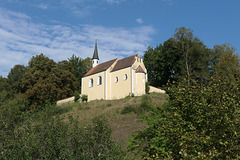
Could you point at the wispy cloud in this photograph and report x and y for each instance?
(114, 1)
(43, 6)
(139, 20)
(20, 39)
(170, 2)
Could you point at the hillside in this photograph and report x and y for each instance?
(121, 114)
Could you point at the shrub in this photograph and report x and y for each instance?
(147, 88)
(76, 96)
(51, 137)
(128, 109)
(84, 98)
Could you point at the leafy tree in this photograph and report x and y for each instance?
(182, 56)
(14, 78)
(4, 89)
(198, 122)
(47, 81)
(217, 52)
(80, 67)
(194, 56)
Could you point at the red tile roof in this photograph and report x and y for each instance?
(100, 67)
(124, 63)
(139, 70)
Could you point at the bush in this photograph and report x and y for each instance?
(51, 137)
(147, 87)
(128, 109)
(76, 96)
(84, 98)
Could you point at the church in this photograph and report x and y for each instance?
(114, 79)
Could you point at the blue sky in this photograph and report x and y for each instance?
(60, 28)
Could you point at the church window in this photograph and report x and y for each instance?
(125, 77)
(91, 82)
(99, 80)
(116, 79)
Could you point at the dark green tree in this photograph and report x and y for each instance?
(182, 56)
(80, 67)
(47, 81)
(194, 55)
(217, 52)
(4, 90)
(14, 78)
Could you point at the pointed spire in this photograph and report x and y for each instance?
(95, 54)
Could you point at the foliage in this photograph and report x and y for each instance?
(182, 56)
(198, 122)
(14, 78)
(47, 81)
(128, 109)
(76, 96)
(227, 68)
(147, 88)
(80, 67)
(84, 98)
(47, 136)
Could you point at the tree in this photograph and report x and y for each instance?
(198, 122)
(47, 81)
(14, 78)
(182, 56)
(194, 56)
(228, 68)
(4, 87)
(218, 52)
(80, 67)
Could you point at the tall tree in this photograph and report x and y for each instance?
(47, 81)
(182, 56)
(194, 55)
(228, 68)
(80, 67)
(218, 52)
(14, 78)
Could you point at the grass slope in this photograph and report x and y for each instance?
(123, 124)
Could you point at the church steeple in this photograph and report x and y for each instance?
(95, 57)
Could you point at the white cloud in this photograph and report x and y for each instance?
(114, 1)
(20, 39)
(139, 20)
(43, 6)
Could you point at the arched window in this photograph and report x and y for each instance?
(116, 79)
(99, 80)
(125, 77)
(91, 82)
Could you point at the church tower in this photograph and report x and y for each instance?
(95, 58)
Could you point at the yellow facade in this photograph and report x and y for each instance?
(116, 84)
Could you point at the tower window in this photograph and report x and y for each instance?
(91, 83)
(99, 80)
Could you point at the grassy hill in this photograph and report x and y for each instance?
(121, 114)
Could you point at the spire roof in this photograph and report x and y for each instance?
(95, 54)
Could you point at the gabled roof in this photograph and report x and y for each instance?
(124, 63)
(139, 70)
(100, 67)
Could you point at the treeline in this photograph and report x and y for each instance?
(185, 56)
(43, 81)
